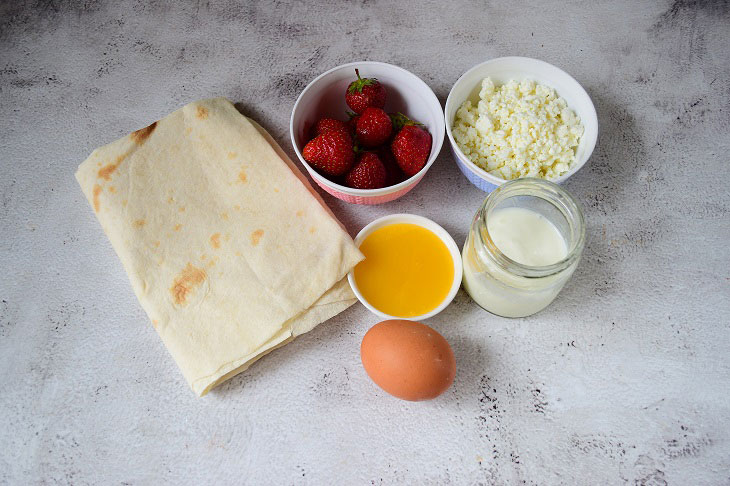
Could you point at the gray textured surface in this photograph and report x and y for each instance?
(624, 379)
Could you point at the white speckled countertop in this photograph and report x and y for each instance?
(623, 380)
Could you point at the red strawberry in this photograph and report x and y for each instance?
(329, 125)
(364, 92)
(368, 173)
(330, 153)
(374, 127)
(395, 175)
(411, 146)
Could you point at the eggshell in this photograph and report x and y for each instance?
(408, 359)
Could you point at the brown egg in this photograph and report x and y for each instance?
(408, 359)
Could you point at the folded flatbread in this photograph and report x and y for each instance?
(228, 249)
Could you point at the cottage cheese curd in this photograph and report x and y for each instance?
(518, 130)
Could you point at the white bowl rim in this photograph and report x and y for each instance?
(483, 174)
(436, 229)
(367, 192)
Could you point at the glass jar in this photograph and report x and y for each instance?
(508, 288)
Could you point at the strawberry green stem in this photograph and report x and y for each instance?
(400, 120)
(360, 83)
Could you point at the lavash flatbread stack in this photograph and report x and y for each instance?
(228, 249)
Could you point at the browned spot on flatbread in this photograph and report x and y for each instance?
(242, 176)
(300, 213)
(238, 253)
(215, 240)
(256, 236)
(112, 189)
(107, 171)
(181, 209)
(312, 229)
(96, 192)
(237, 207)
(139, 223)
(203, 256)
(188, 130)
(157, 243)
(224, 216)
(202, 112)
(140, 136)
(177, 227)
(170, 200)
(276, 189)
(154, 323)
(232, 155)
(189, 279)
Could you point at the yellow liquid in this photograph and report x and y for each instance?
(407, 271)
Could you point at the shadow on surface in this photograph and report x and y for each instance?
(602, 188)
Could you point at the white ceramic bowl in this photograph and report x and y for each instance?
(429, 225)
(502, 70)
(325, 97)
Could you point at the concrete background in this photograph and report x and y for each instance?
(624, 379)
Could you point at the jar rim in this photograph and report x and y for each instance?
(554, 194)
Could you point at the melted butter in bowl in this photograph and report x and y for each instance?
(412, 267)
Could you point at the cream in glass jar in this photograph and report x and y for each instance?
(524, 244)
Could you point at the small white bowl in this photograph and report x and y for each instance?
(502, 70)
(325, 97)
(435, 229)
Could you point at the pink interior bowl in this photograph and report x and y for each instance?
(325, 97)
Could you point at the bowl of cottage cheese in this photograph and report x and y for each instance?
(515, 117)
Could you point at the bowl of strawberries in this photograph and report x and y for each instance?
(367, 132)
